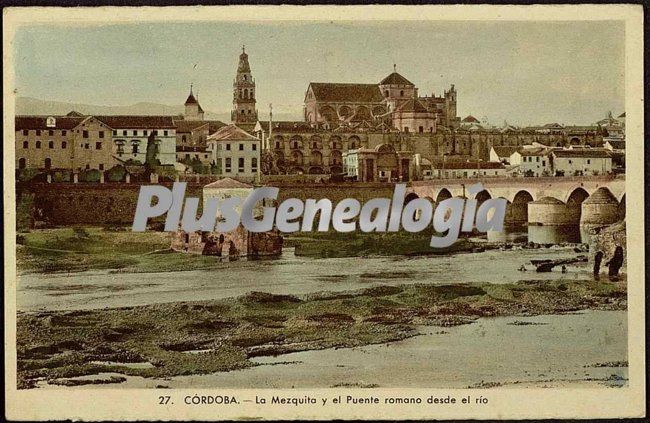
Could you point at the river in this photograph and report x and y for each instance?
(288, 274)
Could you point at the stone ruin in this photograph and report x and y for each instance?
(234, 244)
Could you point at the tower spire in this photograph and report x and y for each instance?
(394, 67)
(243, 111)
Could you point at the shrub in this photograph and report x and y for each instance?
(92, 175)
(116, 173)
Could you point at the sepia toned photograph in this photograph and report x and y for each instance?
(240, 208)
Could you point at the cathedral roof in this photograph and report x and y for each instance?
(337, 92)
(413, 105)
(395, 79)
(471, 118)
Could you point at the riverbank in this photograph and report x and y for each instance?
(203, 337)
(73, 250)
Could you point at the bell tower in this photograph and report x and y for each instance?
(243, 101)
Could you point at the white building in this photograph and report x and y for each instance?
(502, 153)
(235, 152)
(581, 161)
(532, 162)
(132, 134)
(467, 169)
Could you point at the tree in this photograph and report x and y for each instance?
(152, 152)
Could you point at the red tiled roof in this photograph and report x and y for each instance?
(228, 183)
(39, 122)
(583, 152)
(329, 91)
(138, 122)
(395, 79)
(231, 133)
(189, 125)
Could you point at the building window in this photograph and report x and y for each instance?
(115, 133)
(101, 166)
(254, 147)
(228, 147)
(98, 146)
(155, 132)
(85, 134)
(165, 133)
(101, 134)
(50, 132)
(22, 163)
(38, 144)
(570, 162)
(241, 164)
(87, 146)
(145, 132)
(50, 144)
(241, 147)
(38, 133)
(25, 132)
(588, 161)
(183, 138)
(135, 148)
(421, 129)
(48, 163)
(406, 129)
(401, 93)
(537, 159)
(228, 164)
(87, 166)
(135, 133)
(25, 144)
(64, 132)
(64, 145)
(123, 132)
(254, 164)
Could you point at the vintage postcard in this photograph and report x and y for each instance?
(327, 212)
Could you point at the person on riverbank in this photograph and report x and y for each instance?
(615, 263)
(598, 258)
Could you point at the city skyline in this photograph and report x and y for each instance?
(535, 62)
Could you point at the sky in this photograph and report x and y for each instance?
(520, 72)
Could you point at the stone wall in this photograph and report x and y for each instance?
(606, 240)
(63, 204)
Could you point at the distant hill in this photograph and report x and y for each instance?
(35, 106)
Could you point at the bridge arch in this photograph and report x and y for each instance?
(576, 195)
(482, 196)
(574, 204)
(410, 197)
(517, 210)
(443, 194)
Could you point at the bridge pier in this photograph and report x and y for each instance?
(601, 208)
(549, 211)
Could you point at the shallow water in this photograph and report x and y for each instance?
(558, 350)
(286, 275)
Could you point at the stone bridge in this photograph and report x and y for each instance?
(540, 201)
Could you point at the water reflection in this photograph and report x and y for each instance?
(573, 234)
